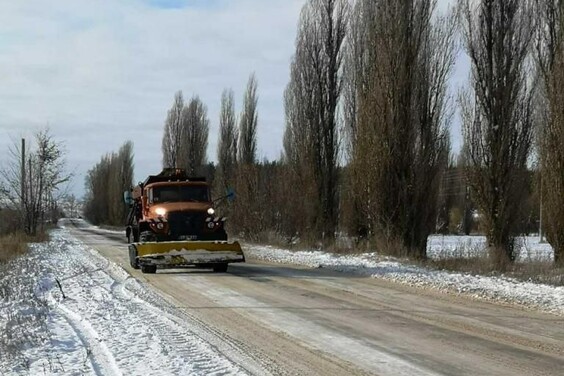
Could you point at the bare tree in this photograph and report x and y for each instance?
(550, 57)
(195, 131)
(43, 180)
(400, 145)
(357, 62)
(497, 121)
(173, 135)
(248, 124)
(313, 94)
(228, 135)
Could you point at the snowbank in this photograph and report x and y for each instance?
(537, 296)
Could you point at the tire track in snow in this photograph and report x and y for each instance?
(138, 336)
(254, 360)
(174, 332)
(100, 357)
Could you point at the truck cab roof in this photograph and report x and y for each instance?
(172, 174)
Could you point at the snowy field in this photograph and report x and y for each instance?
(529, 248)
(75, 313)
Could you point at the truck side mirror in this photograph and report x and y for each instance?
(128, 198)
(230, 194)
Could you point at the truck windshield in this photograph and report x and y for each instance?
(180, 193)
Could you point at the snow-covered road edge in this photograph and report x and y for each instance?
(97, 320)
(501, 289)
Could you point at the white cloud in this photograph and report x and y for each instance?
(101, 73)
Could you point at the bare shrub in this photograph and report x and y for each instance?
(390, 246)
(10, 221)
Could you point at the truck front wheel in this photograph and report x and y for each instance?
(133, 258)
(220, 268)
(133, 235)
(149, 269)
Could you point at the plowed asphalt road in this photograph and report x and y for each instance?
(288, 320)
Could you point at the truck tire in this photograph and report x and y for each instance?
(220, 268)
(133, 259)
(221, 235)
(135, 232)
(148, 269)
(133, 235)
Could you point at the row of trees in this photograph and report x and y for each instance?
(386, 67)
(185, 139)
(186, 133)
(185, 144)
(398, 117)
(105, 184)
(368, 118)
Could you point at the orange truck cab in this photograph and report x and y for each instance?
(176, 209)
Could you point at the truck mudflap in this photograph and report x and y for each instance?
(184, 253)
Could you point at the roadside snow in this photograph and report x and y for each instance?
(67, 310)
(100, 321)
(542, 297)
(533, 295)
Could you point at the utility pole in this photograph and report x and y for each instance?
(540, 214)
(22, 177)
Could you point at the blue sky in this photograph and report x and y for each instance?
(178, 4)
(174, 4)
(99, 73)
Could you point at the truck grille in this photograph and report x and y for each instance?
(186, 223)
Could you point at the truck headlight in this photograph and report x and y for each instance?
(211, 211)
(160, 211)
(211, 225)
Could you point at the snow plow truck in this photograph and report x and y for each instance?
(172, 222)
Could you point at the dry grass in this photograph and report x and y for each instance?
(16, 244)
(474, 265)
(537, 272)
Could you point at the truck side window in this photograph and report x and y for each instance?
(150, 195)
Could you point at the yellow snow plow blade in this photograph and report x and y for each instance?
(187, 252)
